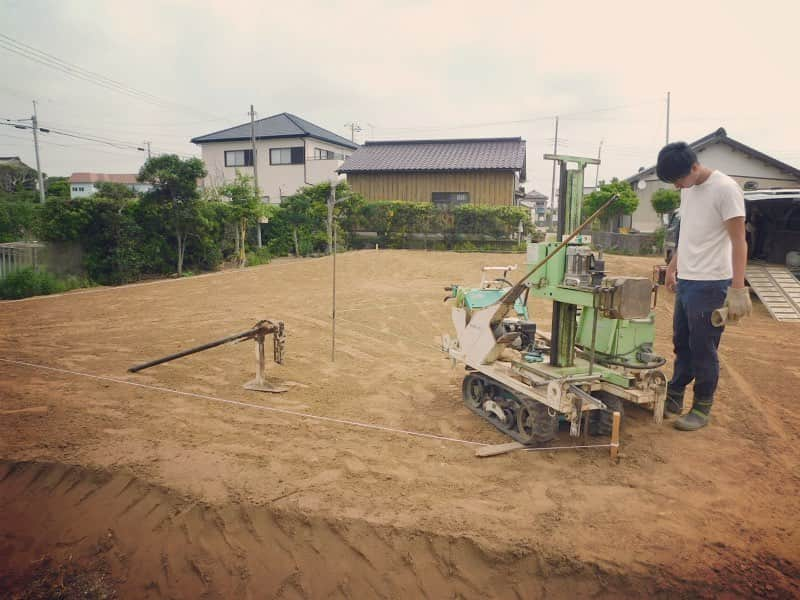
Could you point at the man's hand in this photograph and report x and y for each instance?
(738, 303)
(671, 280)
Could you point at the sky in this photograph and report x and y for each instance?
(404, 69)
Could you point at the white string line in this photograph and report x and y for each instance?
(248, 405)
(572, 447)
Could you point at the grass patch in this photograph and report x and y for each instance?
(30, 282)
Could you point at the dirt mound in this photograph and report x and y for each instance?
(74, 532)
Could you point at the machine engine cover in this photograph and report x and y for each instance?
(626, 297)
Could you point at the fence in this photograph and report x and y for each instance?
(19, 255)
(627, 243)
(62, 258)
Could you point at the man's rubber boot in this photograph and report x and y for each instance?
(673, 406)
(696, 418)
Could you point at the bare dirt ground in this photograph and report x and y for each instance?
(111, 489)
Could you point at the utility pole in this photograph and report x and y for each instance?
(35, 121)
(597, 172)
(667, 117)
(553, 184)
(255, 166)
(148, 149)
(353, 128)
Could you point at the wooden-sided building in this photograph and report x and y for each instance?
(484, 171)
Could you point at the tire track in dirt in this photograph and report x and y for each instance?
(163, 545)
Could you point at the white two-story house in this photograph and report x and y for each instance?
(290, 153)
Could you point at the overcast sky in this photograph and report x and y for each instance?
(407, 70)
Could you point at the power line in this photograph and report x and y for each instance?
(77, 72)
(569, 115)
(119, 144)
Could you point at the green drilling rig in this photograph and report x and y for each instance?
(597, 355)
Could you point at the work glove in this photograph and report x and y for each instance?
(738, 303)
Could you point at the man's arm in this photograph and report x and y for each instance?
(735, 227)
(671, 280)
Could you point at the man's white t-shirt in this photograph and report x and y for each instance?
(704, 247)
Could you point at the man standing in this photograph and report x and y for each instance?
(706, 272)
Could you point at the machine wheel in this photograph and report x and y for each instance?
(601, 421)
(473, 389)
(535, 423)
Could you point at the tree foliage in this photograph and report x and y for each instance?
(57, 187)
(244, 209)
(625, 205)
(16, 177)
(665, 201)
(114, 191)
(174, 182)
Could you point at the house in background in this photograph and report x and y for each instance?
(290, 153)
(753, 170)
(446, 172)
(536, 202)
(83, 185)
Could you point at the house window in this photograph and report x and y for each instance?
(322, 154)
(238, 158)
(449, 198)
(287, 156)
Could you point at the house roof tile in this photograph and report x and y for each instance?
(721, 136)
(439, 155)
(277, 126)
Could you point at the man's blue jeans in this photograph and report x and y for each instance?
(696, 340)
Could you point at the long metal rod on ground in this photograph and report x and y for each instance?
(214, 344)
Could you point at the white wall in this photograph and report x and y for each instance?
(742, 167)
(273, 180)
(84, 190)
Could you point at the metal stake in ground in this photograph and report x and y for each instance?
(258, 332)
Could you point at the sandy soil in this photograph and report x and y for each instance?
(111, 489)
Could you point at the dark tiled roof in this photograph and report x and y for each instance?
(534, 195)
(277, 126)
(438, 155)
(721, 136)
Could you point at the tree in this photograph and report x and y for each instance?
(174, 184)
(245, 204)
(15, 176)
(665, 201)
(624, 205)
(114, 191)
(57, 187)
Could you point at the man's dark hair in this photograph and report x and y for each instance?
(675, 161)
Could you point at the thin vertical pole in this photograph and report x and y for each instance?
(553, 184)
(615, 436)
(35, 120)
(333, 320)
(597, 172)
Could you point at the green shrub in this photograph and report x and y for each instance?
(30, 282)
(465, 247)
(259, 256)
(19, 221)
